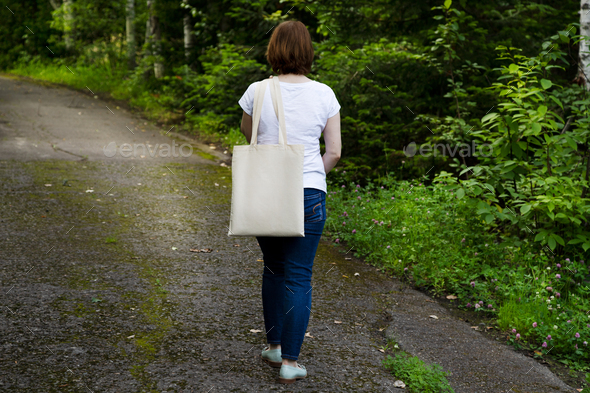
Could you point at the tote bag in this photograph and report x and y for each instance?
(267, 180)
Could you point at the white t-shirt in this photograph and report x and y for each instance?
(307, 106)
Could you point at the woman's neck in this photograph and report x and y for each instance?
(293, 78)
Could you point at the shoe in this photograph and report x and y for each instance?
(290, 374)
(272, 357)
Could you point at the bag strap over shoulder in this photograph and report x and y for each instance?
(257, 109)
(277, 101)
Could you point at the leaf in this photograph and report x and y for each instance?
(489, 117)
(525, 209)
(571, 142)
(558, 238)
(460, 193)
(542, 110)
(489, 218)
(546, 83)
(513, 68)
(96, 300)
(552, 243)
(540, 236)
(433, 316)
(448, 4)
(557, 101)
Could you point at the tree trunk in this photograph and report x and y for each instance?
(54, 4)
(188, 34)
(130, 28)
(68, 24)
(584, 65)
(155, 39)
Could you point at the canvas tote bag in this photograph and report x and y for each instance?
(267, 180)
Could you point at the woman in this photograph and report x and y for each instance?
(310, 107)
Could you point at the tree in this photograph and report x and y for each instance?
(153, 39)
(130, 28)
(188, 32)
(67, 15)
(584, 67)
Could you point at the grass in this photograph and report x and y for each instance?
(418, 376)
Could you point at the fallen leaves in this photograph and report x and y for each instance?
(132, 336)
(433, 316)
(381, 350)
(201, 250)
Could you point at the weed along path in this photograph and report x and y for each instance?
(117, 274)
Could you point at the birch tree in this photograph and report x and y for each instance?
(66, 13)
(584, 66)
(154, 39)
(188, 31)
(130, 29)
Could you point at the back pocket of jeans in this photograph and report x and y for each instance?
(314, 211)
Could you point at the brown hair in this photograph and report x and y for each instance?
(290, 50)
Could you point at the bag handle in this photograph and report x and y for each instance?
(276, 98)
(257, 109)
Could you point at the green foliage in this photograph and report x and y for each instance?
(213, 93)
(418, 376)
(429, 235)
(535, 182)
(373, 99)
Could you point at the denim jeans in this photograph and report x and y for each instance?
(286, 279)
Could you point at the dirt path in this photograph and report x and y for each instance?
(100, 291)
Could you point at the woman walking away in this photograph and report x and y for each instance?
(310, 108)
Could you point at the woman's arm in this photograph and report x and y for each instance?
(332, 142)
(246, 126)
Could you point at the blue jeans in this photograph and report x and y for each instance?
(286, 280)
